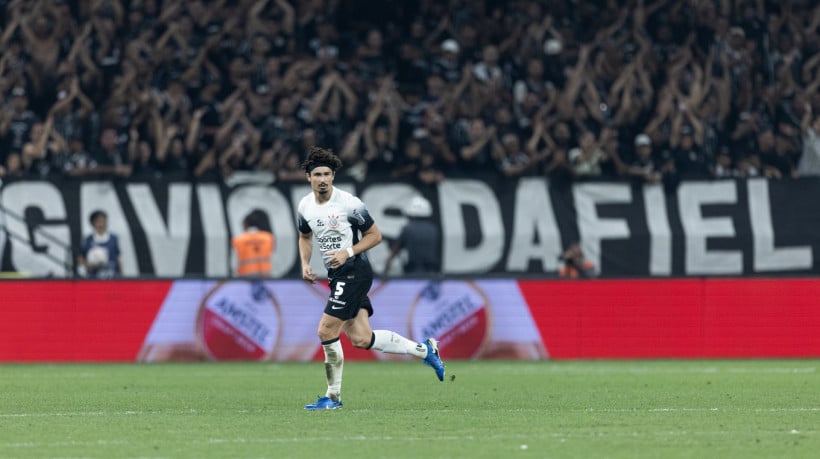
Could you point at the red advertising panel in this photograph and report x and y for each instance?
(151, 321)
(76, 321)
(762, 318)
(618, 318)
(677, 318)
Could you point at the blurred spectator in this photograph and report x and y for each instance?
(775, 163)
(476, 146)
(574, 265)
(204, 89)
(587, 157)
(511, 158)
(419, 237)
(46, 147)
(290, 169)
(487, 70)
(79, 161)
(100, 256)
(810, 157)
(253, 247)
(724, 166)
(533, 84)
(17, 120)
(110, 156)
(448, 66)
(13, 166)
(380, 138)
(687, 151)
(644, 165)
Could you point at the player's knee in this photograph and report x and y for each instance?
(362, 342)
(326, 333)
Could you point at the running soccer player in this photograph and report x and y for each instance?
(334, 219)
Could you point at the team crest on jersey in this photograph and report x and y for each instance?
(333, 221)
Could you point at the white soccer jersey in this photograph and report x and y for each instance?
(336, 223)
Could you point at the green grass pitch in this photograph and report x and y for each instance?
(629, 409)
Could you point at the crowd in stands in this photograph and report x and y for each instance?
(655, 90)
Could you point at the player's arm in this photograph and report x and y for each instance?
(305, 245)
(305, 252)
(371, 237)
(362, 221)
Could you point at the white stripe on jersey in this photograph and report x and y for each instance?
(333, 223)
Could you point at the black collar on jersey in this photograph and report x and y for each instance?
(314, 165)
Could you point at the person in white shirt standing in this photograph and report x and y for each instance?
(809, 163)
(334, 218)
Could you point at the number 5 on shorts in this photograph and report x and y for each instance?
(340, 288)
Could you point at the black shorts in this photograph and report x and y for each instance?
(348, 294)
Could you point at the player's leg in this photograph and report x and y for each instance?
(342, 307)
(329, 329)
(363, 336)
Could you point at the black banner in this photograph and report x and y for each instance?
(178, 229)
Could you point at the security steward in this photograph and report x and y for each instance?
(253, 248)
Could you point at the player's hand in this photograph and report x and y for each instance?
(307, 274)
(338, 258)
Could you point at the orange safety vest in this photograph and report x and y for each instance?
(253, 252)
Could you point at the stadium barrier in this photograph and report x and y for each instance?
(489, 227)
(195, 320)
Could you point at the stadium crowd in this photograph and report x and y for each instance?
(653, 90)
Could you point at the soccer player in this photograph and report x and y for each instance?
(334, 218)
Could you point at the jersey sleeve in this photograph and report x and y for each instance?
(301, 221)
(302, 224)
(358, 216)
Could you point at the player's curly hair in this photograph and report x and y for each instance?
(318, 156)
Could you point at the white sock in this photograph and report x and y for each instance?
(334, 361)
(393, 343)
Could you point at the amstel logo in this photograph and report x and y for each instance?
(456, 313)
(239, 320)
